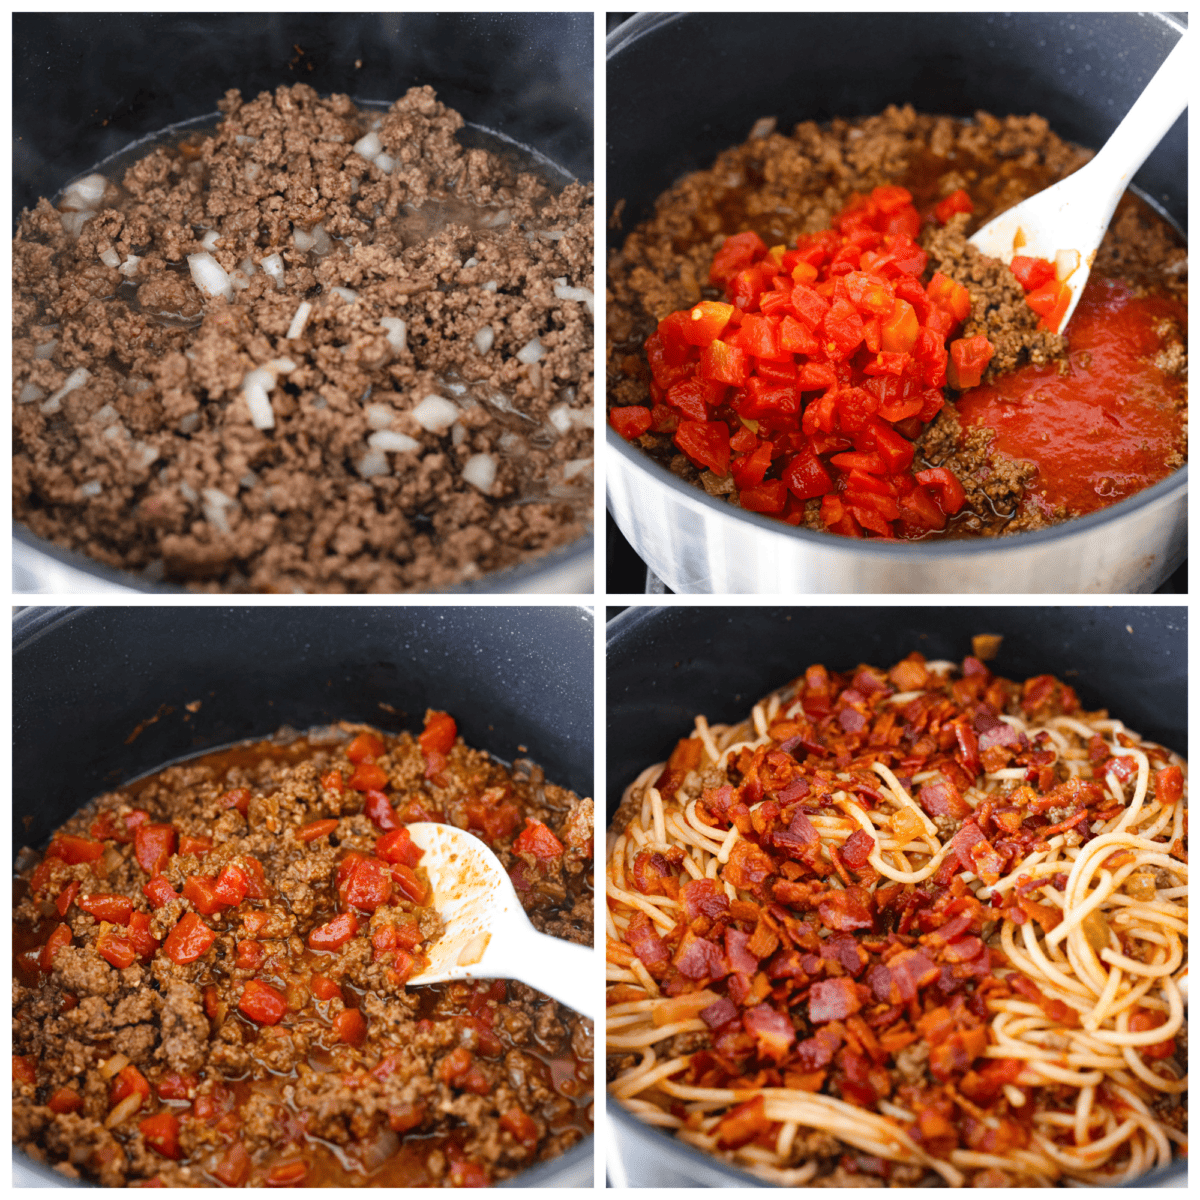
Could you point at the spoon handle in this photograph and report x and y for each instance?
(564, 970)
(1147, 122)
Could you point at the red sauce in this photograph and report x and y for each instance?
(1106, 428)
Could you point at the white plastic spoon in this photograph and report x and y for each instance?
(487, 934)
(1066, 222)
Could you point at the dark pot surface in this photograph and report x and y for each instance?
(99, 698)
(665, 665)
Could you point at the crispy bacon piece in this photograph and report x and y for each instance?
(954, 1055)
(646, 944)
(832, 1000)
(719, 1013)
(748, 865)
(684, 758)
(968, 747)
(846, 911)
(698, 958)
(652, 875)
(818, 1051)
(742, 1125)
(718, 800)
(984, 1085)
(740, 959)
(844, 949)
(795, 790)
(851, 720)
(772, 1029)
(908, 972)
(858, 848)
(940, 798)
(703, 898)
(1001, 734)
(867, 684)
(976, 853)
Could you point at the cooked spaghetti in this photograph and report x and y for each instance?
(906, 925)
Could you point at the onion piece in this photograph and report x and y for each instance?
(256, 388)
(304, 241)
(296, 328)
(531, 352)
(396, 443)
(347, 294)
(485, 339)
(215, 504)
(560, 417)
(575, 466)
(458, 433)
(368, 146)
(76, 379)
(244, 139)
(209, 276)
(1066, 263)
(84, 193)
(436, 414)
(129, 267)
(480, 471)
(210, 239)
(586, 295)
(373, 463)
(379, 416)
(490, 286)
(110, 258)
(397, 332)
(73, 222)
(385, 162)
(29, 393)
(93, 487)
(45, 349)
(273, 266)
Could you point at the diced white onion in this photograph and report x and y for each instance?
(76, 379)
(573, 293)
(189, 422)
(93, 487)
(560, 418)
(485, 339)
(480, 471)
(247, 265)
(273, 266)
(373, 463)
(253, 171)
(531, 352)
(244, 139)
(385, 162)
(279, 366)
(117, 433)
(398, 443)
(296, 328)
(215, 504)
(379, 416)
(144, 453)
(238, 280)
(496, 220)
(451, 385)
(511, 443)
(346, 294)
(304, 241)
(458, 433)
(572, 468)
(490, 286)
(45, 349)
(397, 332)
(29, 393)
(73, 222)
(110, 258)
(84, 193)
(436, 414)
(322, 243)
(256, 388)
(555, 235)
(129, 267)
(209, 276)
(471, 262)
(210, 239)
(369, 146)
(188, 492)
(105, 416)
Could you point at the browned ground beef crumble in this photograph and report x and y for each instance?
(783, 185)
(293, 1077)
(154, 464)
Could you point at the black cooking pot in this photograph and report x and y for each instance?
(100, 696)
(682, 87)
(665, 665)
(86, 86)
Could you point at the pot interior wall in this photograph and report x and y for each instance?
(691, 85)
(666, 665)
(99, 694)
(85, 85)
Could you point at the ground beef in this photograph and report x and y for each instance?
(154, 464)
(402, 1087)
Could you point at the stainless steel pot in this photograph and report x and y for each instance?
(706, 79)
(86, 86)
(516, 678)
(668, 663)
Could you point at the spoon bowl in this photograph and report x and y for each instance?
(486, 933)
(1066, 222)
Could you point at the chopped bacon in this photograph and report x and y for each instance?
(703, 898)
(976, 853)
(832, 1000)
(910, 971)
(773, 1030)
(719, 1013)
(787, 964)
(845, 949)
(868, 685)
(964, 950)
(851, 720)
(646, 943)
(742, 1125)
(1001, 734)
(818, 1051)
(956, 1053)
(1056, 1010)
(940, 798)
(968, 747)
(684, 758)
(847, 910)
(984, 1085)
(740, 959)
(797, 789)
(910, 675)
(748, 865)
(1168, 785)
(652, 875)
(858, 848)
(698, 958)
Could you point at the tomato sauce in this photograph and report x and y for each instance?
(1111, 425)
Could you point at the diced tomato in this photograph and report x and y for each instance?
(128, 1082)
(67, 896)
(368, 776)
(153, 846)
(899, 331)
(234, 1168)
(334, 934)
(113, 827)
(949, 295)
(706, 322)
(1168, 785)
(1032, 273)
(405, 1117)
(144, 943)
(238, 798)
(397, 846)
(521, 1125)
(367, 885)
(537, 839)
(262, 1003)
(1050, 302)
(969, 358)
(60, 937)
(317, 829)
(199, 846)
(161, 1132)
(736, 253)
(332, 781)
(189, 940)
(439, 733)
(454, 1066)
(706, 443)
(949, 492)
(159, 891)
(24, 1069)
(770, 496)
(497, 822)
(366, 747)
(177, 1086)
(74, 850)
(467, 1174)
(64, 1100)
(379, 809)
(200, 891)
(115, 948)
(350, 1026)
(409, 883)
(250, 955)
(724, 363)
(287, 1174)
(957, 202)
(324, 988)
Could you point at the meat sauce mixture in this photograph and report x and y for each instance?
(317, 350)
(212, 967)
(1061, 425)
